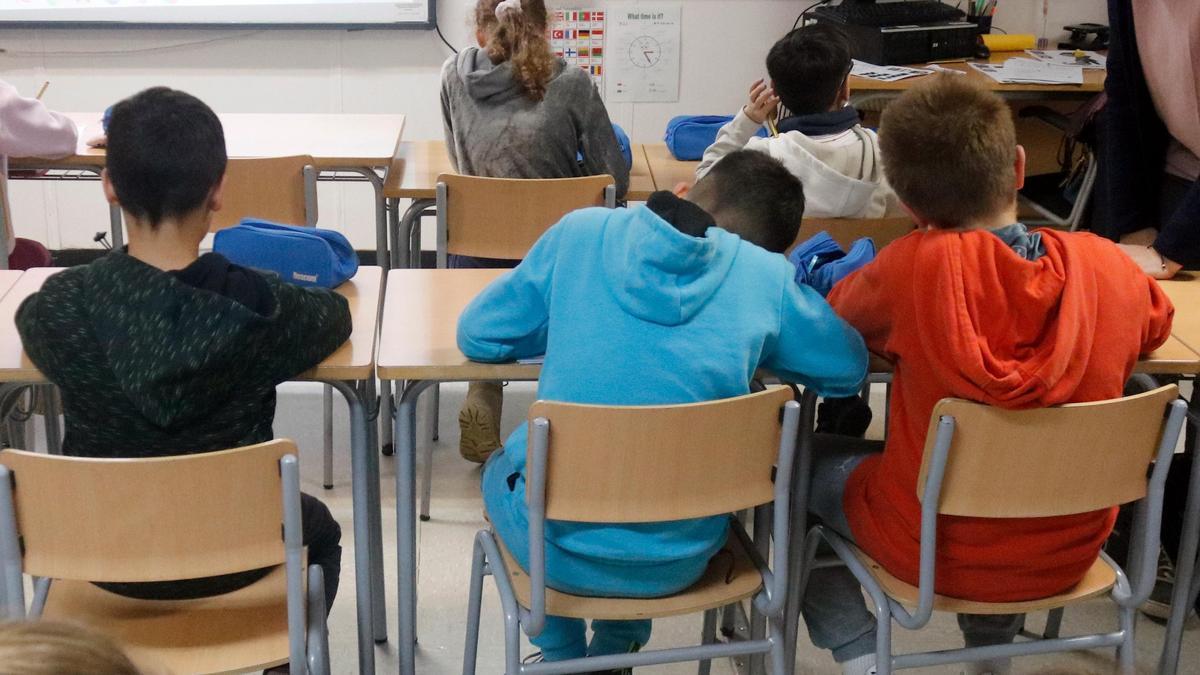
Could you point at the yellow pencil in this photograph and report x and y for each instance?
(42, 91)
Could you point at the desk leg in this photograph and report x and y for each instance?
(406, 525)
(406, 233)
(801, 483)
(116, 227)
(52, 410)
(378, 587)
(360, 467)
(1185, 562)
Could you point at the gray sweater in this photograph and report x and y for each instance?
(493, 129)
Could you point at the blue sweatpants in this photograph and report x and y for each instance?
(566, 638)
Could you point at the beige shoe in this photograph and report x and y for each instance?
(479, 421)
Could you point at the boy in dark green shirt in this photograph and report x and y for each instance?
(158, 350)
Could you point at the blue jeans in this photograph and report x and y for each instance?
(833, 607)
(566, 638)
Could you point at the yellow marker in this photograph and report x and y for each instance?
(42, 91)
(1080, 55)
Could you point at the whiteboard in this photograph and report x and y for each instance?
(255, 13)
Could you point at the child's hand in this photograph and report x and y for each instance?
(97, 141)
(763, 102)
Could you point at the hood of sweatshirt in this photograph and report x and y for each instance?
(492, 82)
(839, 178)
(999, 328)
(659, 274)
(154, 333)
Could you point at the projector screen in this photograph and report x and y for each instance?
(256, 13)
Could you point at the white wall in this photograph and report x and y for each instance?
(724, 43)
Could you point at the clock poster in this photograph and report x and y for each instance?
(643, 52)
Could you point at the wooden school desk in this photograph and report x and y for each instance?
(7, 279)
(343, 147)
(1093, 82)
(350, 370)
(413, 175)
(418, 349)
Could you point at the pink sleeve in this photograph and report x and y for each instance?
(29, 129)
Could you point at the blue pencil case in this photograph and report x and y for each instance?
(688, 136)
(305, 256)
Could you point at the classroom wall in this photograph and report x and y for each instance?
(368, 72)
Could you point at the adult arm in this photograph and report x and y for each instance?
(509, 319)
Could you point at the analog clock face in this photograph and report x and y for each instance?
(645, 52)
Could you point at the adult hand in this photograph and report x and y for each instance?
(763, 102)
(1151, 261)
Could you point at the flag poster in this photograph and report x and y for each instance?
(577, 36)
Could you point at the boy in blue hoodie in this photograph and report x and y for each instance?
(653, 305)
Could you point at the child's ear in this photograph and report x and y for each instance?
(481, 38)
(216, 198)
(110, 193)
(681, 190)
(1019, 167)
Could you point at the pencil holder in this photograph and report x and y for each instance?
(984, 23)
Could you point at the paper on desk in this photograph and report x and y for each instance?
(1066, 57)
(885, 73)
(1030, 71)
(533, 360)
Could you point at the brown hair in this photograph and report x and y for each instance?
(519, 37)
(949, 149)
(52, 648)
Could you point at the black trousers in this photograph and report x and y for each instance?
(322, 536)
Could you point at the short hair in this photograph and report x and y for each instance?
(949, 148)
(166, 153)
(808, 66)
(48, 648)
(752, 195)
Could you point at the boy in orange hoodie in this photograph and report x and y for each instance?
(974, 306)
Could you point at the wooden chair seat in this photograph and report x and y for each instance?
(245, 630)
(1099, 579)
(721, 585)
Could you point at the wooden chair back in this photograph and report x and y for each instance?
(160, 519)
(503, 218)
(281, 189)
(845, 231)
(1055, 461)
(630, 464)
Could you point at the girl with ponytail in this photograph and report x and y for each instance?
(513, 110)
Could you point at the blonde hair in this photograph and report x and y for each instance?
(949, 149)
(52, 648)
(520, 38)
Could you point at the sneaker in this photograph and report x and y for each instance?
(1158, 605)
(479, 421)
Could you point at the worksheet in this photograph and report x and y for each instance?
(644, 52)
(871, 71)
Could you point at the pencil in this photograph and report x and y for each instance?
(42, 91)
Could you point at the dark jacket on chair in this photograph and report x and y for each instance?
(154, 363)
(1135, 150)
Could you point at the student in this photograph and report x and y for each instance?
(159, 350)
(822, 142)
(53, 648)
(513, 110)
(28, 129)
(646, 306)
(972, 306)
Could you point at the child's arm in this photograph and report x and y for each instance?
(29, 129)
(735, 135)
(313, 323)
(815, 347)
(1157, 327)
(508, 320)
(598, 142)
(861, 299)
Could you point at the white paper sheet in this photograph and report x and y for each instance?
(1066, 57)
(643, 52)
(1030, 71)
(871, 71)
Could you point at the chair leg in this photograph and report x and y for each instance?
(1053, 624)
(435, 396)
(708, 636)
(426, 478)
(474, 601)
(883, 643)
(1126, 653)
(778, 646)
(327, 407)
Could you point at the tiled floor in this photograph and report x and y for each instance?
(445, 550)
